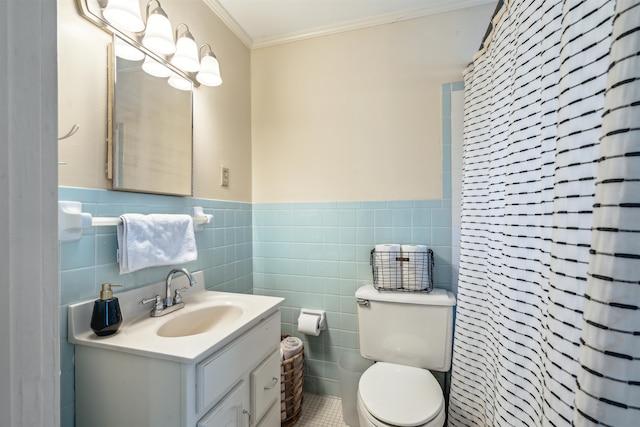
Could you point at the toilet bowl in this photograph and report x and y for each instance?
(407, 334)
(393, 395)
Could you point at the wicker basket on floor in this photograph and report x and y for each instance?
(292, 377)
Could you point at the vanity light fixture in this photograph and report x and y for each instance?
(125, 51)
(154, 68)
(179, 82)
(124, 14)
(164, 55)
(186, 56)
(158, 35)
(209, 74)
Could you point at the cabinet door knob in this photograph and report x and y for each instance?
(244, 411)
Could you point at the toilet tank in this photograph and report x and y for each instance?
(408, 328)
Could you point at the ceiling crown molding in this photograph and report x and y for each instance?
(387, 18)
(228, 20)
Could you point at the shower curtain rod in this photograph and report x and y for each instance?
(490, 26)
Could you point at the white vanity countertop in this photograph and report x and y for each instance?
(138, 332)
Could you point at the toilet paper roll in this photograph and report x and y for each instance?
(415, 271)
(387, 268)
(413, 248)
(309, 324)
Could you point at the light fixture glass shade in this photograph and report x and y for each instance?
(125, 51)
(186, 56)
(154, 68)
(124, 14)
(209, 74)
(180, 82)
(158, 35)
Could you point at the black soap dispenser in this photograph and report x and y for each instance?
(106, 317)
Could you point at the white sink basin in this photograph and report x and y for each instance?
(199, 321)
(208, 321)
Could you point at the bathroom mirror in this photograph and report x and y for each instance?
(151, 129)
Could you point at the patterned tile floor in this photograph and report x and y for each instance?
(321, 411)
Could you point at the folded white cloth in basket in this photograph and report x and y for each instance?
(387, 267)
(415, 271)
(155, 240)
(290, 346)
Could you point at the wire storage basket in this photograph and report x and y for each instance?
(402, 271)
(291, 395)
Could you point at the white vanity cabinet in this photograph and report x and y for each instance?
(265, 381)
(231, 411)
(272, 417)
(237, 385)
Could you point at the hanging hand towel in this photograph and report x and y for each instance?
(155, 240)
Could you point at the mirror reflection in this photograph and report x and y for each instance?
(152, 126)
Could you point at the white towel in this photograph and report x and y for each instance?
(415, 271)
(387, 268)
(290, 346)
(155, 240)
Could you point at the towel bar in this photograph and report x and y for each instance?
(71, 220)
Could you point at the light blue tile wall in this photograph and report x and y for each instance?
(449, 173)
(224, 255)
(316, 255)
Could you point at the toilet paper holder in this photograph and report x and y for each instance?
(322, 324)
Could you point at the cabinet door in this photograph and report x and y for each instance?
(217, 374)
(265, 385)
(231, 411)
(272, 419)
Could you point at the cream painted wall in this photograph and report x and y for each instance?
(222, 115)
(357, 115)
(82, 99)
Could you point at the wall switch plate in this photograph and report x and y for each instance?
(224, 176)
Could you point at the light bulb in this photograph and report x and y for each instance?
(158, 36)
(124, 14)
(126, 51)
(186, 56)
(209, 74)
(179, 82)
(154, 68)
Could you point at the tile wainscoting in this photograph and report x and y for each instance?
(224, 255)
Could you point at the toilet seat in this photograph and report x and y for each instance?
(399, 395)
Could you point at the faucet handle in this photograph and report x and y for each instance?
(177, 299)
(156, 298)
(158, 306)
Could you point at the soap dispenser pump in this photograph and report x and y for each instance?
(106, 317)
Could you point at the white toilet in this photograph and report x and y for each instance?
(407, 334)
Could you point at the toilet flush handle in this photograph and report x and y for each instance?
(363, 302)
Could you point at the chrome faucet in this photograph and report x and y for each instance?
(169, 304)
(168, 300)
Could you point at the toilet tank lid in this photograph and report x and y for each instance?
(435, 297)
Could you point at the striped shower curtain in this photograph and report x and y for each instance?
(548, 320)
